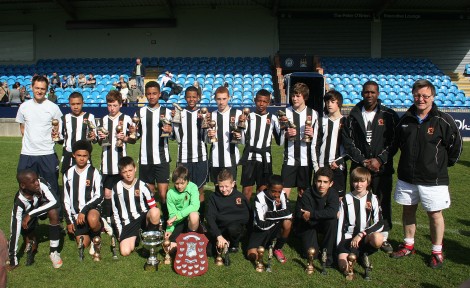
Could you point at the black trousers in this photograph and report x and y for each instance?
(309, 238)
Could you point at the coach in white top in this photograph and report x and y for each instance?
(35, 117)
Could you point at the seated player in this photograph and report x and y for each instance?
(228, 212)
(32, 201)
(317, 212)
(183, 205)
(134, 207)
(360, 220)
(273, 219)
(82, 194)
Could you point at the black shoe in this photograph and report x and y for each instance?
(387, 247)
(233, 250)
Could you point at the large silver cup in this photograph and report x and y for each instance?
(151, 240)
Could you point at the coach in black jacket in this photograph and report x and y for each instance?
(368, 139)
(430, 142)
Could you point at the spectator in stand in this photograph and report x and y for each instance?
(139, 74)
(124, 93)
(24, 94)
(51, 96)
(4, 92)
(63, 82)
(15, 97)
(119, 83)
(81, 80)
(55, 80)
(90, 82)
(71, 82)
(134, 93)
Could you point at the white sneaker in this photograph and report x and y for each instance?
(56, 260)
(92, 249)
(107, 228)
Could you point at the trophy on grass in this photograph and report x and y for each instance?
(205, 123)
(119, 142)
(97, 246)
(105, 142)
(222, 256)
(166, 248)
(90, 127)
(151, 240)
(114, 247)
(177, 118)
(307, 139)
(324, 258)
(259, 259)
(55, 130)
(310, 256)
(351, 261)
(213, 126)
(136, 121)
(367, 266)
(81, 248)
(164, 122)
(270, 256)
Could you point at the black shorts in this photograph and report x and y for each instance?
(296, 176)
(67, 161)
(81, 229)
(198, 172)
(339, 180)
(155, 173)
(253, 172)
(32, 224)
(216, 170)
(264, 237)
(133, 229)
(345, 247)
(181, 227)
(110, 180)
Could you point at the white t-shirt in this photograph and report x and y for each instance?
(368, 118)
(124, 93)
(37, 118)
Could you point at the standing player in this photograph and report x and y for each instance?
(368, 138)
(298, 154)
(82, 194)
(429, 142)
(192, 151)
(329, 148)
(34, 199)
(75, 128)
(112, 153)
(154, 153)
(37, 151)
(134, 207)
(224, 154)
(257, 159)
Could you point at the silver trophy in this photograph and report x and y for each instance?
(164, 122)
(151, 240)
(105, 141)
(283, 123)
(90, 127)
(235, 129)
(177, 118)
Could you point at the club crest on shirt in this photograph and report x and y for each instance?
(368, 205)
(85, 121)
(268, 121)
(232, 119)
(431, 130)
(87, 183)
(137, 193)
(238, 200)
(380, 122)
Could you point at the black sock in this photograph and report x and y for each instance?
(164, 211)
(54, 237)
(107, 208)
(152, 227)
(280, 243)
(202, 211)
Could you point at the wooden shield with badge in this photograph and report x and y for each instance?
(191, 258)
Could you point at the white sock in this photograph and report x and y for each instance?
(410, 241)
(385, 234)
(436, 248)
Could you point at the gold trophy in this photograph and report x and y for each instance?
(166, 248)
(218, 260)
(204, 124)
(177, 118)
(235, 129)
(90, 127)
(259, 260)
(283, 123)
(307, 139)
(164, 122)
(213, 126)
(55, 130)
(293, 126)
(351, 261)
(105, 142)
(119, 142)
(97, 247)
(310, 256)
(242, 124)
(136, 121)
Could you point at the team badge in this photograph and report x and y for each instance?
(137, 193)
(381, 122)
(232, 119)
(191, 257)
(238, 201)
(431, 130)
(87, 183)
(268, 121)
(368, 205)
(85, 121)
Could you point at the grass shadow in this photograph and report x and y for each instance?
(464, 163)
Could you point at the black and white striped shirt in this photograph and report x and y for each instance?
(359, 215)
(300, 153)
(153, 148)
(224, 153)
(82, 191)
(190, 137)
(75, 128)
(259, 133)
(39, 205)
(112, 154)
(267, 214)
(130, 203)
(329, 141)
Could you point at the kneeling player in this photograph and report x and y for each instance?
(360, 221)
(134, 208)
(273, 219)
(82, 194)
(228, 212)
(33, 200)
(317, 212)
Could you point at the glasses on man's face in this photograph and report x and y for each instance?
(418, 96)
